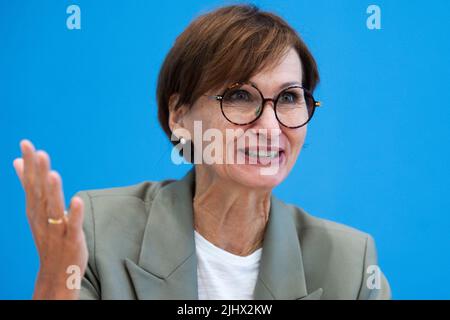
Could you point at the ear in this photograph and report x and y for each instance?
(176, 114)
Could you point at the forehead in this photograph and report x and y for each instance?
(288, 69)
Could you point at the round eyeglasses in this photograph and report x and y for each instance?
(243, 103)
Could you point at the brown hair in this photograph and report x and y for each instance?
(229, 44)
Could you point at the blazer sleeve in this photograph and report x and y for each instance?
(90, 285)
(374, 285)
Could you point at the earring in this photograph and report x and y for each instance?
(182, 140)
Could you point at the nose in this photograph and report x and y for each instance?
(267, 120)
(267, 126)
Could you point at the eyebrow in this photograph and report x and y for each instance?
(284, 85)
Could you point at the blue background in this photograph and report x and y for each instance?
(377, 153)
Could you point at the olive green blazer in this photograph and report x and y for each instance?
(141, 246)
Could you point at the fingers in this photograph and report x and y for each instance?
(18, 166)
(33, 169)
(43, 187)
(75, 221)
(42, 170)
(55, 196)
(29, 167)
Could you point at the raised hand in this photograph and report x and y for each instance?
(59, 237)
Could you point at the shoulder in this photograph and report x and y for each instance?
(115, 218)
(316, 224)
(309, 226)
(329, 241)
(143, 191)
(124, 209)
(337, 257)
(121, 201)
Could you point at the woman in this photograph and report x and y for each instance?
(218, 233)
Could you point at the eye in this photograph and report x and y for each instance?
(289, 97)
(238, 95)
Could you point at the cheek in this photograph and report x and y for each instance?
(212, 126)
(296, 140)
(210, 117)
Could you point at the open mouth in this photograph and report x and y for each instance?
(262, 156)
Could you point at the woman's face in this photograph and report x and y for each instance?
(265, 133)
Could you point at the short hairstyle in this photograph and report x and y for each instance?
(229, 44)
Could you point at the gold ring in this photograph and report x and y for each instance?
(55, 221)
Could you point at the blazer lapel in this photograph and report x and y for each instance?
(167, 265)
(281, 274)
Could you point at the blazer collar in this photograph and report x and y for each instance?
(167, 265)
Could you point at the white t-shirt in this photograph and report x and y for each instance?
(223, 275)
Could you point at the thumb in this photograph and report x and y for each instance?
(76, 214)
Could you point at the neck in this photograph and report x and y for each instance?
(231, 216)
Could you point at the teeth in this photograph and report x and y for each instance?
(263, 154)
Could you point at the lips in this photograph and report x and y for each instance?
(263, 155)
(262, 151)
